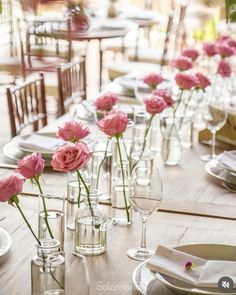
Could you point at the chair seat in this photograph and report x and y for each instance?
(124, 68)
(45, 64)
(11, 65)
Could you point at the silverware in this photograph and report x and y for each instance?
(230, 188)
(2, 217)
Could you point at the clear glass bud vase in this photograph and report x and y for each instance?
(48, 269)
(90, 227)
(74, 196)
(51, 221)
(121, 209)
(171, 147)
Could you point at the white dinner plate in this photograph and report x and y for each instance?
(5, 242)
(224, 165)
(214, 169)
(143, 278)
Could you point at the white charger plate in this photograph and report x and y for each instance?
(5, 242)
(214, 169)
(225, 166)
(143, 278)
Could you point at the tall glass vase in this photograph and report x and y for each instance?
(121, 209)
(74, 196)
(90, 227)
(51, 218)
(48, 269)
(171, 147)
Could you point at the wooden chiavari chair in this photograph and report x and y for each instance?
(71, 84)
(27, 105)
(36, 53)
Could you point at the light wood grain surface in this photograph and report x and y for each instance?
(187, 189)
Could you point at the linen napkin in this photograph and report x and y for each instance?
(205, 273)
(36, 142)
(215, 270)
(229, 159)
(172, 262)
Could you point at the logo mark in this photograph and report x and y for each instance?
(226, 284)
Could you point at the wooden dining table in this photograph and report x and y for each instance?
(195, 209)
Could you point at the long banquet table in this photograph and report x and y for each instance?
(195, 210)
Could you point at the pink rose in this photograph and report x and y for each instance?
(114, 123)
(106, 102)
(186, 81)
(224, 50)
(191, 53)
(153, 79)
(31, 166)
(224, 69)
(182, 63)
(210, 49)
(155, 104)
(73, 131)
(9, 187)
(71, 157)
(203, 81)
(232, 43)
(223, 38)
(165, 95)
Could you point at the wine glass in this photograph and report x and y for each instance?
(214, 116)
(145, 199)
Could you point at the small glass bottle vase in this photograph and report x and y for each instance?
(171, 147)
(48, 269)
(121, 209)
(90, 227)
(51, 218)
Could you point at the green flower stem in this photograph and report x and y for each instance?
(87, 191)
(79, 194)
(144, 141)
(25, 219)
(100, 166)
(36, 178)
(123, 177)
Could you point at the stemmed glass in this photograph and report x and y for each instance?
(215, 116)
(145, 199)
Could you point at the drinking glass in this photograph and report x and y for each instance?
(146, 198)
(214, 116)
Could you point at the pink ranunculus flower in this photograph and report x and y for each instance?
(165, 95)
(182, 63)
(224, 69)
(186, 81)
(73, 131)
(210, 48)
(71, 157)
(191, 53)
(106, 102)
(203, 81)
(9, 187)
(153, 79)
(155, 104)
(224, 50)
(114, 123)
(31, 166)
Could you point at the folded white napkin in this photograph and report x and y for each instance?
(229, 159)
(172, 263)
(37, 142)
(204, 273)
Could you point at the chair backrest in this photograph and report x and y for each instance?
(71, 84)
(44, 39)
(167, 39)
(27, 105)
(180, 33)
